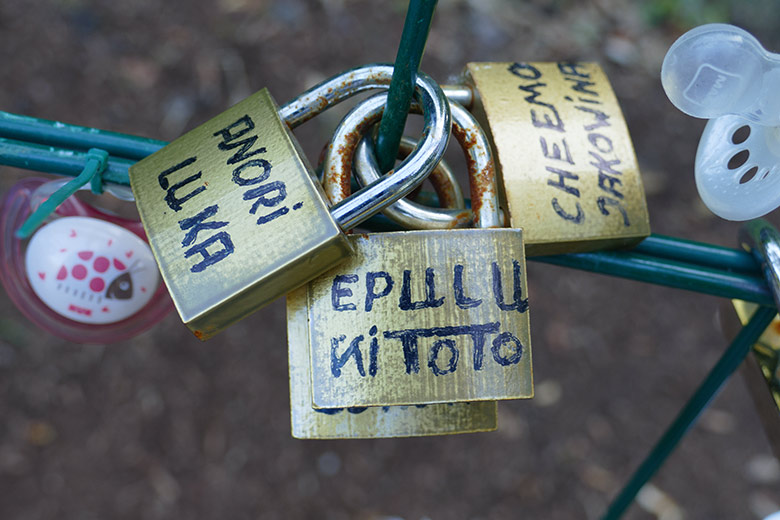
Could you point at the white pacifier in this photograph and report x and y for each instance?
(90, 270)
(722, 73)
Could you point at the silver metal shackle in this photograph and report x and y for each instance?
(407, 213)
(461, 94)
(334, 90)
(482, 179)
(442, 178)
(330, 92)
(412, 171)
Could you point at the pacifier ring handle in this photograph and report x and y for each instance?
(719, 69)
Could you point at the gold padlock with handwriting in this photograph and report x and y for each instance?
(367, 422)
(377, 421)
(234, 215)
(420, 317)
(565, 158)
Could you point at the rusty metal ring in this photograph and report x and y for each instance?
(482, 177)
(442, 178)
(407, 213)
(412, 171)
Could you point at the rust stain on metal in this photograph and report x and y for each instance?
(344, 154)
(321, 104)
(482, 179)
(442, 187)
(477, 192)
(465, 138)
(338, 182)
(461, 219)
(438, 179)
(481, 188)
(378, 78)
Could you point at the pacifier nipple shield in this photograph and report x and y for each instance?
(722, 73)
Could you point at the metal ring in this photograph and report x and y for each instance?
(442, 178)
(764, 240)
(406, 213)
(412, 171)
(482, 180)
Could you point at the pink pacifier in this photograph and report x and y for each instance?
(86, 275)
(722, 73)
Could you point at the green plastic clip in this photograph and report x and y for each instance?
(93, 173)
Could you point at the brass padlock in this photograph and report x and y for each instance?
(564, 155)
(762, 369)
(234, 215)
(421, 317)
(367, 422)
(377, 421)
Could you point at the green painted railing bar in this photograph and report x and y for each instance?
(54, 133)
(670, 273)
(725, 366)
(627, 264)
(651, 267)
(698, 253)
(407, 62)
(49, 159)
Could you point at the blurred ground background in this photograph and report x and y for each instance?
(164, 426)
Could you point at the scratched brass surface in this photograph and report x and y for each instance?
(564, 154)
(396, 349)
(233, 216)
(373, 422)
(762, 373)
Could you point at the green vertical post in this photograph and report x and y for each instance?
(725, 366)
(407, 63)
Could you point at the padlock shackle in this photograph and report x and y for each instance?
(460, 94)
(412, 171)
(333, 91)
(482, 177)
(442, 178)
(483, 183)
(407, 213)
